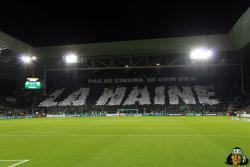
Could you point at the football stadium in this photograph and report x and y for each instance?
(179, 102)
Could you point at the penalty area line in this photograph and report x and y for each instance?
(18, 162)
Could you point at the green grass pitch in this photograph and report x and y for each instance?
(122, 141)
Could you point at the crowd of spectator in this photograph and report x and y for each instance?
(194, 91)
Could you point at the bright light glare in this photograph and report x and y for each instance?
(157, 64)
(71, 58)
(201, 54)
(26, 59)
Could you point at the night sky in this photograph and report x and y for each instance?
(69, 22)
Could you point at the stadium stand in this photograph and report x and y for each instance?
(147, 90)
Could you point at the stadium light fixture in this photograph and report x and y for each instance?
(71, 58)
(201, 54)
(27, 58)
(34, 58)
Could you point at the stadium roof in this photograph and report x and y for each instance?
(236, 39)
(147, 46)
(52, 24)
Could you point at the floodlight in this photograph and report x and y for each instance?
(71, 58)
(26, 59)
(157, 64)
(201, 54)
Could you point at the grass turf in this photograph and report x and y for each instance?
(123, 141)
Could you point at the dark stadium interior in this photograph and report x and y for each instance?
(149, 70)
(124, 83)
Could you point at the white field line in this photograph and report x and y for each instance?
(19, 162)
(121, 135)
